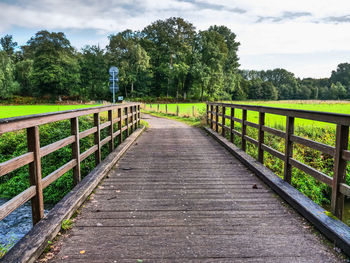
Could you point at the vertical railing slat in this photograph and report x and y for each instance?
(217, 118)
(244, 129)
(223, 121)
(111, 130)
(132, 119)
(76, 149)
(211, 116)
(261, 137)
(120, 136)
(288, 152)
(127, 121)
(232, 126)
(97, 138)
(341, 143)
(33, 140)
(139, 114)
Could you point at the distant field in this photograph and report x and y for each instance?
(271, 120)
(20, 110)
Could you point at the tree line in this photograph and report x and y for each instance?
(167, 59)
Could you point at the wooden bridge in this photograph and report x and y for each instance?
(176, 195)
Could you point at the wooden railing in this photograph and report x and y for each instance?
(216, 117)
(128, 118)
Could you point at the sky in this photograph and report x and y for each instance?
(307, 37)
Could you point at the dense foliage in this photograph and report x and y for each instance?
(167, 59)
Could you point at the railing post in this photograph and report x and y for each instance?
(166, 108)
(193, 111)
(33, 140)
(211, 117)
(341, 143)
(97, 137)
(232, 127)
(158, 108)
(217, 118)
(261, 137)
(120, 136)
(127, 121)
(138, 115)
(74, 125)
(207, 116)
(135, 117)
(132, 118)
(244, 129)
(288, 153)
(177, 110)
(111, 130)
(223, 121)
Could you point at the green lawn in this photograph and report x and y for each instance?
(7, 111)
(271, 119)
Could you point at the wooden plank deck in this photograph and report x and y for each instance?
(178, 196)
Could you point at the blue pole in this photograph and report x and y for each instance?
(113, 90)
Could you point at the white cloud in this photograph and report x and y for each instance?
(263, 27)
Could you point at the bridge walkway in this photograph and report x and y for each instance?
(178, 196)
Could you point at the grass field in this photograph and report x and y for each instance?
(7, 111)
(272, 120)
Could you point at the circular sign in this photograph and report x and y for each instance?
(114, 70)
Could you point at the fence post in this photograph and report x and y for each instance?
(288, 153)
(135, 117)
(132, 119)
(217, 118)
(193, 111)
(97, 137)
(120, 137)
(33, 140)
(74, 125)
(207, 117)
(166, 108)
(177, 110)
(111, 130)
(127, 120)
(232, 124)
(157, 107)
(341, 143)
(211, 117)
(244, 129)
(138, 115)
(223, 121)
(261, 137)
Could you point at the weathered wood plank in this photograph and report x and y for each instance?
(15, 163)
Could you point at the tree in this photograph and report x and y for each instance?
(214, 53)
(342, 75)
(24, 69)
(168, 42)
(93, 73)
(8, 45)
(8, 85)
(125, 51)
(55, 66)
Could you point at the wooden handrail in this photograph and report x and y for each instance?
(35, 152)
(340, 152)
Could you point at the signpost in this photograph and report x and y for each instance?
(113, 72)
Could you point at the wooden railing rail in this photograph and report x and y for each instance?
(340, 152)
(35, 153)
